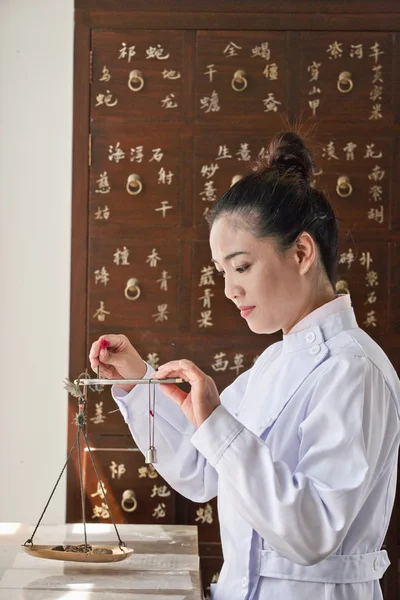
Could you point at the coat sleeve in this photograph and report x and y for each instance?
(344, 440)
(178, 461)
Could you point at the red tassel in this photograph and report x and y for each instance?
(104, 344)
(151, 412)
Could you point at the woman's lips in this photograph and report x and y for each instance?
(246, 310)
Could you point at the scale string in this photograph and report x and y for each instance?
(149, 399)
(80, 422)
(81, 487)
(152, 415)
(30, 540)
(121, 543)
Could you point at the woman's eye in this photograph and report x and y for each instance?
(221, 273)
(242, 269)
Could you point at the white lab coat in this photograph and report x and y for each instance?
(302, 453)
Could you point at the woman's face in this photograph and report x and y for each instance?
(273, 290)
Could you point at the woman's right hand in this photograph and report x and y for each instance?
(119, 360)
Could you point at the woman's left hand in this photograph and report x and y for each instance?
(202, 399)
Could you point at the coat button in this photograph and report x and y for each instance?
(310, 337)
(315, 349)
(376, 564)
(244, 582)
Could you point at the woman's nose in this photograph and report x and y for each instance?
(231, 289)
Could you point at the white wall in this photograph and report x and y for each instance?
(36, 53)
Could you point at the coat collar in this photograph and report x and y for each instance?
(322, 327)
(271, 385)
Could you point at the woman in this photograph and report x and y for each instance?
(302, 448)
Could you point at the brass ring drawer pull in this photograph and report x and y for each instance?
(129, 502)
(344, 189)
(345, 82)
(342, 287)
(239, 81)
(132, 290)
(134, 185)
(136, 81)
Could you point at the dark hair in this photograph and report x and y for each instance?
(277, 200)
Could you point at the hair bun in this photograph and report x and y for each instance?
(287, 152)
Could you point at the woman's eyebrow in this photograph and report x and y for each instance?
(232, 255)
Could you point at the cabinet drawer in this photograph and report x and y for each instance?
(241, 74)
(137, 74)
(347, 77)
(135, 492)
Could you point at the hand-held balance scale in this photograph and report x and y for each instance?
(87, 552)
